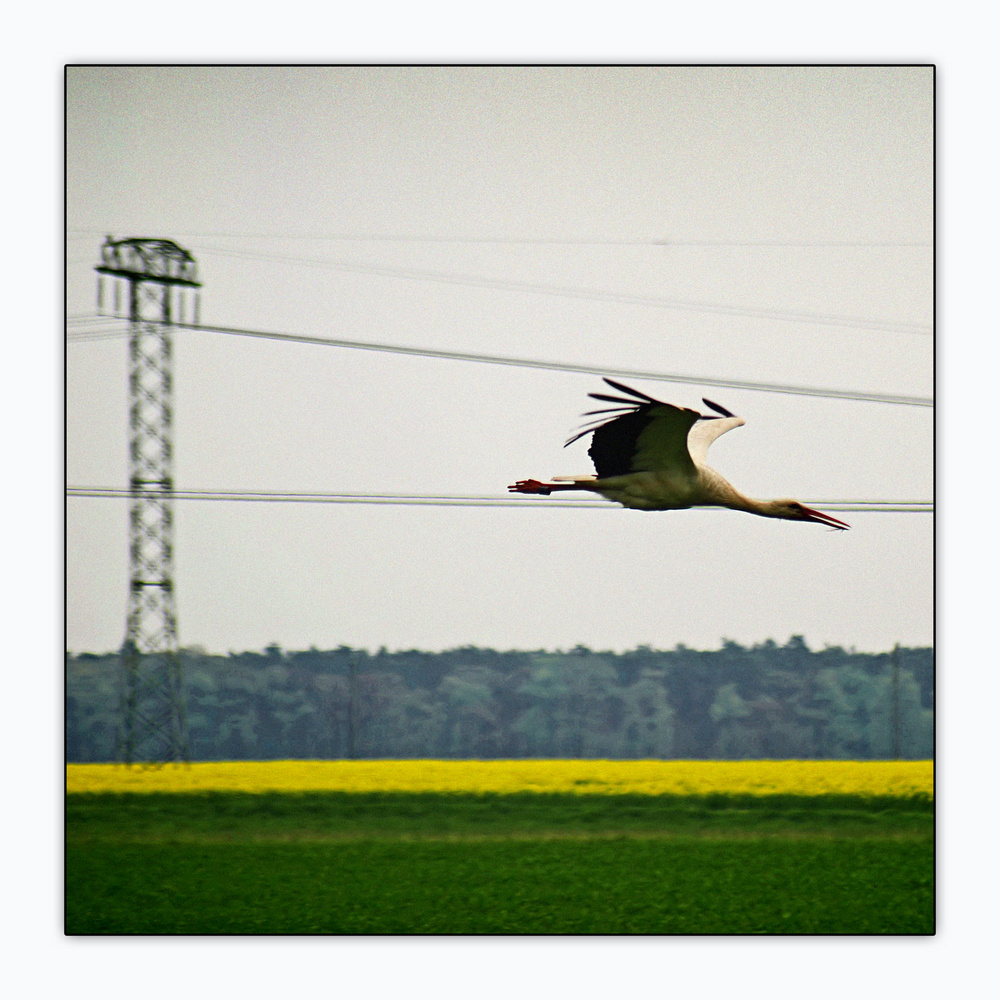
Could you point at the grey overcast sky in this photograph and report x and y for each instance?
(765, 225)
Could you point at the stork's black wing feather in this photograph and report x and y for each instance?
(613, 399)
(609, 409)
(716, 407)
(614, 443)
(652, 438)
(648, 435)
(630, 392)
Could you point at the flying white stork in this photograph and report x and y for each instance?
(652, 457)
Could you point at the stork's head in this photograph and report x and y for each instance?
(792, 510)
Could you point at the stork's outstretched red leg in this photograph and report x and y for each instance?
(534, 486)
(530, 486)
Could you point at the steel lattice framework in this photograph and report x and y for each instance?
(152, 725)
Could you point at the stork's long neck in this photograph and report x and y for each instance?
(720, 492)
(765, 508)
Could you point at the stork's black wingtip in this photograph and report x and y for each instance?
(631, 392)
(716, 407)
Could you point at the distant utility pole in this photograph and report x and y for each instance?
(157, 275)
(895, 703)
(352, 699)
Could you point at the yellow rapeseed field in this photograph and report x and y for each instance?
(607, 777)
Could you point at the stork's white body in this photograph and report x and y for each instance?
(642, 490)
(671, 488)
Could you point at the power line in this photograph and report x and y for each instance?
(597, 295)
(495, 359)
(450, 499)
(79, 323)
(105, 332)
(797, 390)
(532, 240)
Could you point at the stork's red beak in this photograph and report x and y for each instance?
(820, 518)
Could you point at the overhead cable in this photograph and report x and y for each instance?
(794, 390)
(444, 500)
(495, 359)
(664, 241)
(501, 284)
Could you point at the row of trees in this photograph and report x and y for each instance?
(732, 703)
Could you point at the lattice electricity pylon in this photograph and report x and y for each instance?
(152, 726)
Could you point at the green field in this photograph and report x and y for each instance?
(343, 863)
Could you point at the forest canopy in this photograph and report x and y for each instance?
(734, 703)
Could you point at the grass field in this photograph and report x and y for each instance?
(398, 862)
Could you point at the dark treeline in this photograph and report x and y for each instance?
(765, 701)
